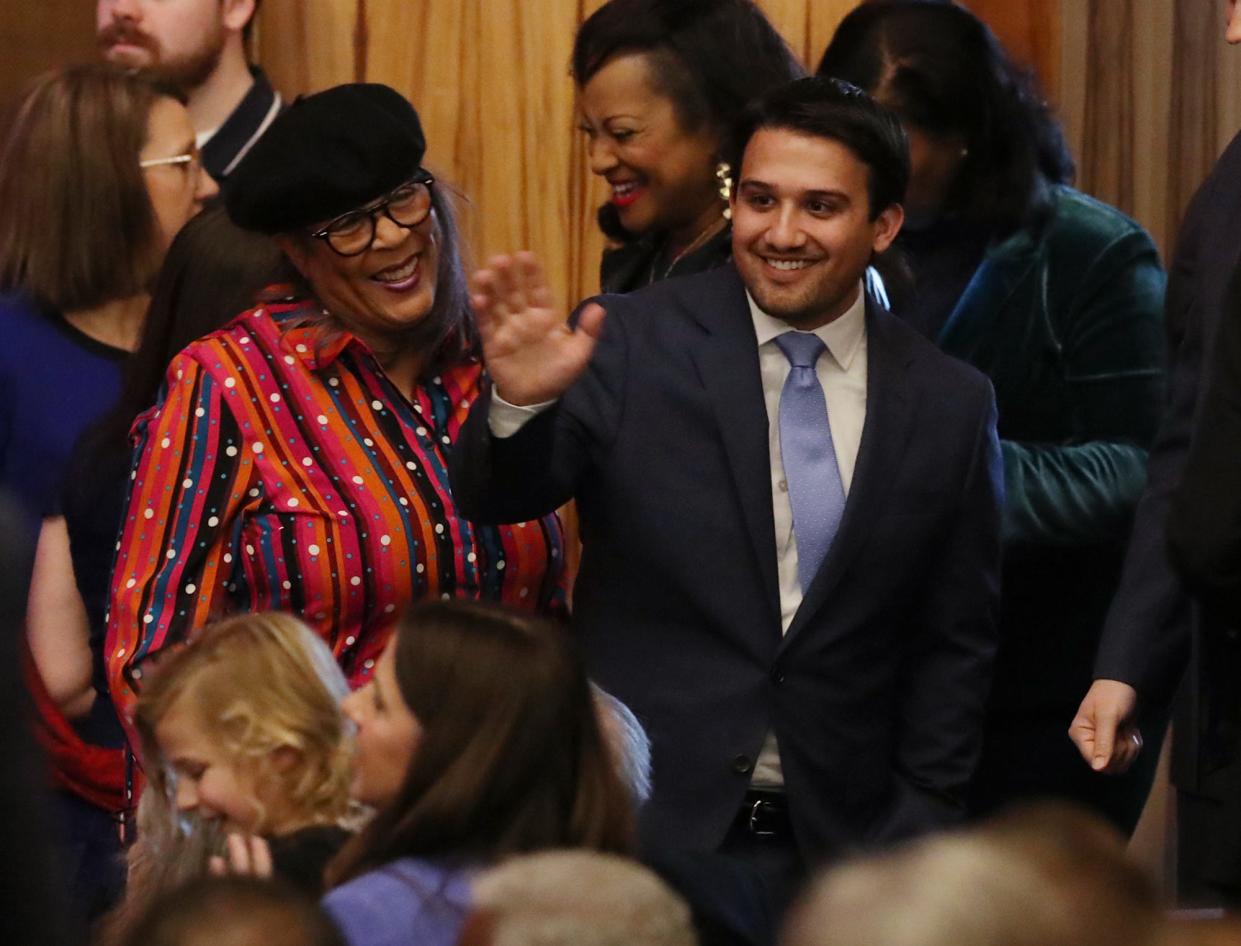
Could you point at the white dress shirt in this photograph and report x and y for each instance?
(842, 373)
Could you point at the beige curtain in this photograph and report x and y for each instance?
(1147, 90)
(491, 81)
(1150, 95)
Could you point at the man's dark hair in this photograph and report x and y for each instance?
(943, 71)
(828, 108)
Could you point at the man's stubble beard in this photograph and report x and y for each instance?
(190, 72)
(186, 73)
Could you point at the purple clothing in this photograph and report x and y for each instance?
(55, 382)
(407, 902)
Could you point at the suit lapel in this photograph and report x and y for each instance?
(727, 363)
(997, 276)
(889, 412)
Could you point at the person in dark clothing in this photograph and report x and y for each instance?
(1204, 523)
(34, 899)
(213, 270)
(98, 172)
(1057, 298)
(660, 82)
(197, 47)
(1204, 539)
(1155, 631)
(798, 596)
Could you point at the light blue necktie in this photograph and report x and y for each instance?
(816, 492)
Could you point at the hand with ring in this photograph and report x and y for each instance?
(1105, 729)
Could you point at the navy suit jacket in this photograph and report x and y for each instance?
(876, 692)
(1146, 641)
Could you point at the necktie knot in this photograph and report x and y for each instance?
(802, 349)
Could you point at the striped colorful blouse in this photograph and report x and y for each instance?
(282, 470)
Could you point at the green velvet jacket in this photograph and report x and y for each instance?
(1068, 324)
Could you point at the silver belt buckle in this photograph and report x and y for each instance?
(755, 830)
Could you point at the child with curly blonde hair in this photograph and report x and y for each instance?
(241, 732)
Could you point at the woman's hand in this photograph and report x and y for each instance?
(532, 353)
(246, 854)
(57, 626)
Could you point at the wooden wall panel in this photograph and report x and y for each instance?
(822, 16)
(309, 44)
(1031, 33)
(1108, 162)
(490, 80)
(1150, 96)
(40, 35)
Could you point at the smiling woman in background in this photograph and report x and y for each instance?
(660, 83)
(297, 461)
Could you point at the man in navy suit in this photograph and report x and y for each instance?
(789, 505)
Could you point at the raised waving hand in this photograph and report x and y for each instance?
(532, 353)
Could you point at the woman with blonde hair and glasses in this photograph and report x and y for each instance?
(98, 172)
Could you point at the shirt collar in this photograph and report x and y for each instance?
(317, 341)
(229, 143)
(310, 336)
(842, 336)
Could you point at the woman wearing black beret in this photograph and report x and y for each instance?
(297, 461)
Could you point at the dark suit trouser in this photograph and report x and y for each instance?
(1027, 755)
(1208, 861)
(776, 861)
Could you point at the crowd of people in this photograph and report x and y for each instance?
(900, 475)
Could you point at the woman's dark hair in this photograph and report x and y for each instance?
(510, 756)
(830, 108)
(213, 271)
(77, 227)
(451, 334)
(709, 57)
(943, 71)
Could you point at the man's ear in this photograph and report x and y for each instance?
(887, 226)
(235, 14)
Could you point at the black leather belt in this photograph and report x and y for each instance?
(765, 815)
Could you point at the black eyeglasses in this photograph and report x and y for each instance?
(352, 233)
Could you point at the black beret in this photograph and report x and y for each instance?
(325, 155)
